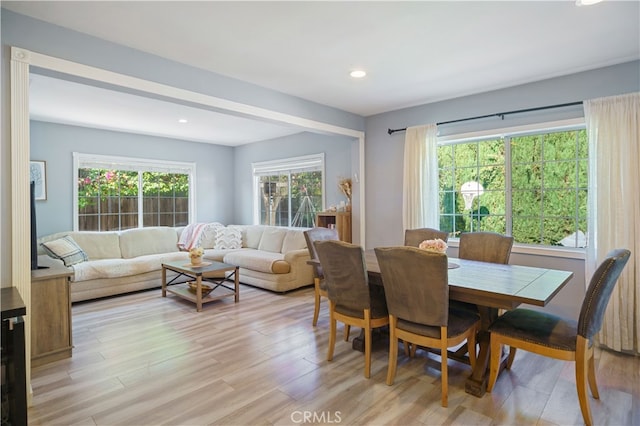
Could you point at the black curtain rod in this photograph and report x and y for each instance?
(499, 114)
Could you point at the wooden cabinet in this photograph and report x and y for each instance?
(338, 220)
(51, 334)
(14, 377)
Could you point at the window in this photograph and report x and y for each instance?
(289, 192)
(116, 193)
(530, 185)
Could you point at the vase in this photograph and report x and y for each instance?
(196, 260)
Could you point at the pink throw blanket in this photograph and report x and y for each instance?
(190, 236)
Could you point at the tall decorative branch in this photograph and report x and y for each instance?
(345, 187)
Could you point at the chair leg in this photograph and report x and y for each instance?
(582, 367)
(512, 356)
(316, 308)
(393, 351)
(407, 347)
(592, 376)
(471, 348)
(332, 331)
(444, 366)
(347, 331)
(494, 362)
(367, 343)
(412, 350)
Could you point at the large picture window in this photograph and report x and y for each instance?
(288, 192)
(116, 193)
(530, 185)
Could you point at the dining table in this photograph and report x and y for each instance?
(491, 287)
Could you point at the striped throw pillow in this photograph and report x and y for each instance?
(65, 249)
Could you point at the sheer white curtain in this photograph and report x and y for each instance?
(613, 126)
(420, 183)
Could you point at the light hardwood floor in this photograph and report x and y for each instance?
(142, 359)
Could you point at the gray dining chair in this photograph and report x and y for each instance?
(552, 336)
(485, 247)
(417, 292)
(319, 285)
(350, 299)
(413, 237)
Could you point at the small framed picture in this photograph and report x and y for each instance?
(38, 171)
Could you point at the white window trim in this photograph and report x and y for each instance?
(511, 131)
(292, 164)
(81, 160)
(541, 250)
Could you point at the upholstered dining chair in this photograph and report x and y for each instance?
(320, 288)
(417, 291)
(413, 237)
(489, 247)
(552, 336)
(485, 247)
(350, 299)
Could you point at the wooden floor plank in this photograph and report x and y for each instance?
(141, 359)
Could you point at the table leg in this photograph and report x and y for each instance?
(164, 281)
(199, 292)
(476, 384)
(237, 284)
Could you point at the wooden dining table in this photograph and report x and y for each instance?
(491, 287)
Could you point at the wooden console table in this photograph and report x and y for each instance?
(51, 333)
(341, 221)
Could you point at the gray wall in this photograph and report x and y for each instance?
(55, 144)
(338, 164)
(38, 36)
(224, 178)
(385, 153)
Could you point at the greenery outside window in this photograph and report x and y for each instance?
(530, 185)
(116, 193)
(289, 192)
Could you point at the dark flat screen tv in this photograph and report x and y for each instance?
(34, 233)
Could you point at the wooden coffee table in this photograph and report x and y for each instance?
(214, 273)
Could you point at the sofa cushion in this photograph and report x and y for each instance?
(218, 255)
(99, 245)
(262, 261)
(294, 240)
(251, 236)
(145, 241)
(65, 249)
(228, 238)
(272, 239)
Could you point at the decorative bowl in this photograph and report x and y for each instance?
(206, 288)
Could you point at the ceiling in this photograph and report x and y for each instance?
(414, 52)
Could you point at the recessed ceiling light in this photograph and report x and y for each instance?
(357, 74)
(586, 2)
(182, 120)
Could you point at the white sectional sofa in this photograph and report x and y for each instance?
(269, 257)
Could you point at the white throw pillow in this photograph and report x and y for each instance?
(65, 249)
(228, 238)
(208, 237)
